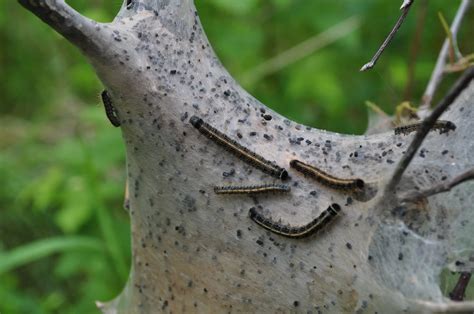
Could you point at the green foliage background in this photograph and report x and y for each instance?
(64, 237)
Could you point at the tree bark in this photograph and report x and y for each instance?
(195, 251)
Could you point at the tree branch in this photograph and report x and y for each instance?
(460, 289)
(405, 9)
(438, 72)
(441, 188)
(451, 307)
(76, 28)
(426, 126)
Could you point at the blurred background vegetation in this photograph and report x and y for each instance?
(64, 237)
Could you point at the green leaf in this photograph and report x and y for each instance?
(77, 208)
(43, 191)
(39, 249)
(48, 188)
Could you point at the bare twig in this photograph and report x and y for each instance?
(301, 50)
(438, 72)
(460, 289)
(426, 126)
(448, 307)
(405, 9)
(441, 188)
(78, 29)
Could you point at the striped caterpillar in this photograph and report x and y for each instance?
(441, 125)
(296, 232)
(238, 150)
(255, 189)
(327, 179)
(110, 109)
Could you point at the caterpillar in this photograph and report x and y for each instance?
(327, 179)
(255, 189)
(441, 125)
(296, 232)
(110, 109)
(238, 150)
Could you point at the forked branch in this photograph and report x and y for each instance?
(426, 126)
(441, 188)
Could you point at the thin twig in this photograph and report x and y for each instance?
(441, 188)
(426, 126)
(405, 9)
(460, 289)
(446, 307)
(438, 72)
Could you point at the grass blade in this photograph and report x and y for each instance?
(42, 248)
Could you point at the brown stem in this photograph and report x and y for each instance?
(460, 289)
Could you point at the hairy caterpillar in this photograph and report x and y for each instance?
(255, 189)
(296, 232)
(441, 125)
(327, 179)
(238, 150)
(110, 109)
